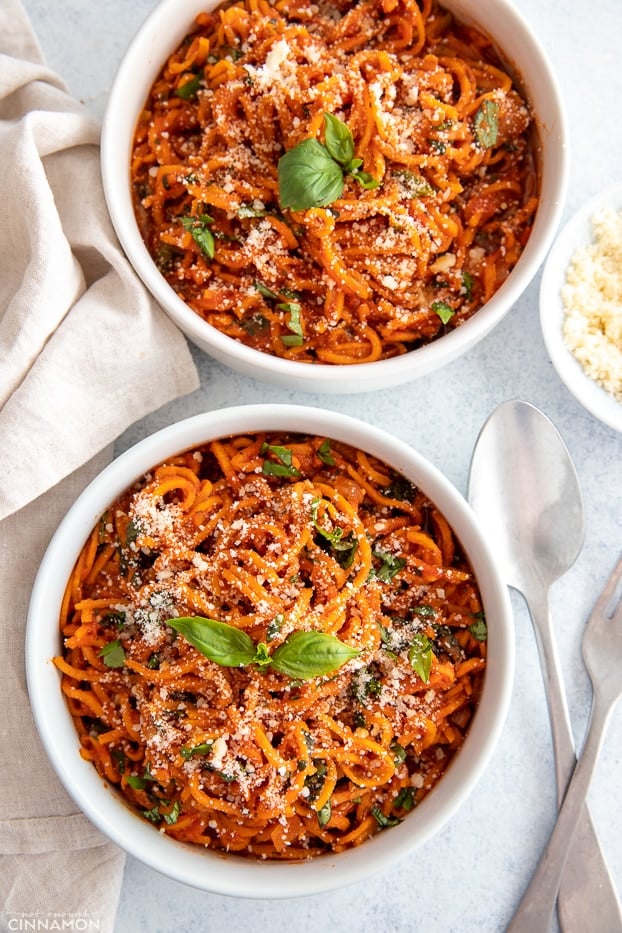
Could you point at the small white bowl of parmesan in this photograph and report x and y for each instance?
(581, 306)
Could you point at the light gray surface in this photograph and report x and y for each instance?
(470, 877)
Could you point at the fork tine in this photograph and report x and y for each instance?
(602, 603)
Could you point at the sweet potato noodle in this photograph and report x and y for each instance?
(438, 177)
(343, 597)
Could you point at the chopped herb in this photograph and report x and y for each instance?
(324, 814)
(384, 822)
(189, 88)
(390, 565)
(284, 467)
(274, 626)
(153, 662)
(255, 324)
(153, 815)
(201, 233)
(295, 339)
(131, 533)
(249, 210)
(173, 815)
(420, 656)
(444, 311)
(487, 124)
(137, 782)
(424, 611)
(203, 749)
(479, 629)
(399, 753)
(112, 654)
(467, 285)
(324, 453)
(405, 800)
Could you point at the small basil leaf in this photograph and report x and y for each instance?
(479, 629)
(324, 453)
(308, 177)
(189, 88)
(420, 656)
(203, 749)
(338, 140)
(324, 814)
(487, 124)
(304, 655)
(201, 234)
(444, 311)
(384, 822)
(284, 467)
(389, 567)
(222, 643)
(365, 180)
(112, 654)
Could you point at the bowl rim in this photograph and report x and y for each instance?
(137, 70)
(206, 869)
(576, 232)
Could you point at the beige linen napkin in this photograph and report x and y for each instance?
(84, 352)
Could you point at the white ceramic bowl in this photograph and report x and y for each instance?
(157, 38)
(208, 870)
(576, 233)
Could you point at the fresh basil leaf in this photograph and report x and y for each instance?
(405, 800)
(284, 467)
(444, 311)
(324, 814)
(173, 815)
(275, 626)
(222, 643)
(384, 822)
(265, 291)
(424, 611)
(487, 124)
(308, 177)
(189, 88)
(467, 285)
(304, 655)
(479, 629)
(262, 658)
(112, 654)
(338, 140)
(413, 185)
(153, 815)
(399, 753)
(202, 749)
(249, 210)
(137, 782)
(201, 234)
(324, 453)
(389, 567)
(365, 180)
(296, 338)
(333, 536)
(420, 656)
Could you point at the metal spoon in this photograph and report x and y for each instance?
(524, 488)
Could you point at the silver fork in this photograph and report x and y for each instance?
(602, 653)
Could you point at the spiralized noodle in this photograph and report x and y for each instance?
(436, 122)
(277, 539)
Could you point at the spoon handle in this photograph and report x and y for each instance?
(586, 891)
(536, 909)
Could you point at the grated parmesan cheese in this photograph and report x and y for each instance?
(592, 298)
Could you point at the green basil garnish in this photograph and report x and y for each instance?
(201, 233)
(311, 174)
(390, 565)
(444, 311)
(420, 656)
(284, 467)
(189, 88)
(224, 644)
(112, 654)
(479, 629)
(487, 124)
(324, 453)
(384, 822)
(203, 749)
(302, 656)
